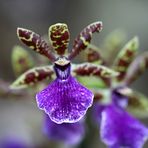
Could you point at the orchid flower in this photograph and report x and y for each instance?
(65, 100)
(118, 128)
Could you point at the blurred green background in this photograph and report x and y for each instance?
(38, 15)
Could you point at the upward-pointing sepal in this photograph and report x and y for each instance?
(59, 37)
(84, 38)
(35, 42)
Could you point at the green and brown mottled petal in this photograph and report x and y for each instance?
(137, 102)
(89, 69)
(59, 37)
(84, 38)
(35, 42)
(92, 54)
(125, 57)
(21, 60)
(33, 76)
(137, 67)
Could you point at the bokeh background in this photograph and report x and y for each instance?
(37, 15)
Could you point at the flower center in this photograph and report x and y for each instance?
(62, 68)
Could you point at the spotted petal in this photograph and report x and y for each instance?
(93, 54)
(119, 129)
(65, 101)
(33, 76)
(59, 37)
(84, 38)
(35, 42)
(69, 133)
(90, 69)
(125, 57)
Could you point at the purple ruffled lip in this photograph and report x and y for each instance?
(117, 127)
(120, 129)
(65, 101)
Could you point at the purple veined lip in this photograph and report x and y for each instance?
(118, 128)
(65, 101)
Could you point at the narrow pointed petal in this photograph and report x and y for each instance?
(89, 69)
(35, 42)
(59, 37)
(137, 102)
(33, 76)
(65, 101)
(93, 55)
(21, 60)
(84, 38)
(69, 133)
(137, 68)
(119, 129)
(125, 58)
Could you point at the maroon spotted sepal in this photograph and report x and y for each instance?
(137, 67)
(125, 58)
(35, 42)
(89, 69)
(84, 38)
(93, 55)
(33, 76)
(59, 37)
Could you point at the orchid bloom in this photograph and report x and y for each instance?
(65, 100)
(118, 128)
